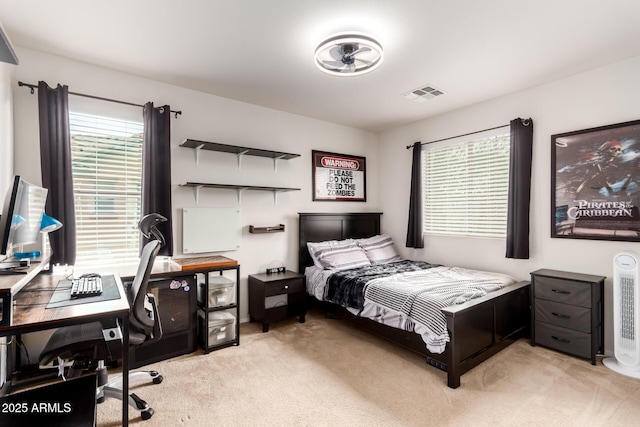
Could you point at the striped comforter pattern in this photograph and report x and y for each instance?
(421, 295)
(346, 287)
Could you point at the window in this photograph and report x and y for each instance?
(106, 156)
(466, 184)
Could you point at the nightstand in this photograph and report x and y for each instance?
(567, 312)
(276, 296)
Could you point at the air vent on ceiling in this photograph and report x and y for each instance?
(422, 93)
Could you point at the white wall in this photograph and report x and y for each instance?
(603, 96)
(211, 118)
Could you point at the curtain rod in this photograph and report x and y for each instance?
(34, 87)
(458, 136)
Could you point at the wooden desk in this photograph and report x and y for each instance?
(11, 283)
(29, 314)
(174, 267)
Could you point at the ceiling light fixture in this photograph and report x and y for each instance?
(348, 54)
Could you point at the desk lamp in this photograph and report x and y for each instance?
(48, 225)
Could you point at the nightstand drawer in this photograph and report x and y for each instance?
(563, 291)
(564, 315)
(563, 339)
(284, 287)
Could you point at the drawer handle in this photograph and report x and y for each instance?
(565, 340)
(559, 291)
(286, 286)
(564, 316)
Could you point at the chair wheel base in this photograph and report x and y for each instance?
(147, 414)
(158, 379)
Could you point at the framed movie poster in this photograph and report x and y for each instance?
(595, 183)
(338, 177)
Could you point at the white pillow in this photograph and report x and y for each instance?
(379, 249)
(317, 247)
(341, 255)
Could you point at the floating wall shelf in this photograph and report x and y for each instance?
(272, 229)
(239, 189)
(238, 150)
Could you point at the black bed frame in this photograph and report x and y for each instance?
(478, 329)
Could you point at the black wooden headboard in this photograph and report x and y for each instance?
(317, 227)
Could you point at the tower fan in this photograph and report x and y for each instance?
(626, 316)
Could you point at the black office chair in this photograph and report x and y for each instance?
(88, 345)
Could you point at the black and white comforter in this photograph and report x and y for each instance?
(346, 287)
(415, 292)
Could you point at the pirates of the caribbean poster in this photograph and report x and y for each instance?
(595, 183)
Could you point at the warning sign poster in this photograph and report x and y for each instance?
(338, 177)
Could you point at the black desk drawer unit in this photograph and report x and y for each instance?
(176, 300)
(568, 312)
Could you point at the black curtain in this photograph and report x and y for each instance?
(55, 163)
(519, 188)
(414, 228)
(156, 170)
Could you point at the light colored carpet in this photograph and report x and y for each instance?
(327, 373)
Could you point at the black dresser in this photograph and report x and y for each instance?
(567, 312)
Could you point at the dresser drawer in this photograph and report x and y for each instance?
(563, 339)
(564, 315)
(284, 287)
(564, 291)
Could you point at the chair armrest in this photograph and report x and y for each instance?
(156, 332)
(112, 334)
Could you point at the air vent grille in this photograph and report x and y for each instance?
(627, 305)
(422, 93)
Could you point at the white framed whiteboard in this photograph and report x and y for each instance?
(211, 229)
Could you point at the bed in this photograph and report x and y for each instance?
(477, 329)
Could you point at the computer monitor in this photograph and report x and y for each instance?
(21, 215)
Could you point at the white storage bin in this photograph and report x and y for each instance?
(221, 328)
(222, 291)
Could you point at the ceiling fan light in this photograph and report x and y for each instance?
(348, 54)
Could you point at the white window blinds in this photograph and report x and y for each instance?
(466, 184)
(106, 157)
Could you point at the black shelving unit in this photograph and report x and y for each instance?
(238, 150)
(238, 187)
(213, 333)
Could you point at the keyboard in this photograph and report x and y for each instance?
(86, 287)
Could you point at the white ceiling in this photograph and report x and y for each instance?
(261, 51)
